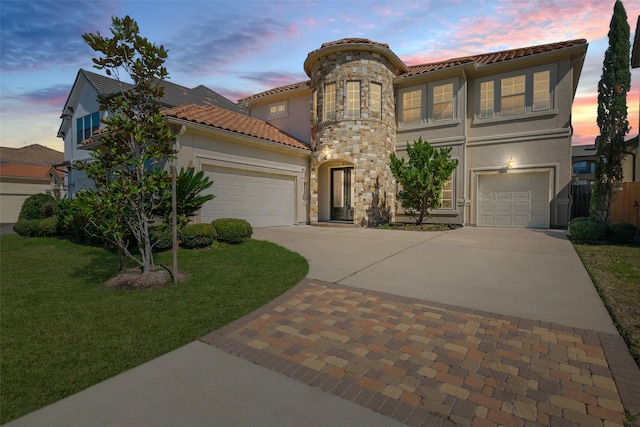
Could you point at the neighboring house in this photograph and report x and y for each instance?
(81, 115)
(318, 151)
(26, 171)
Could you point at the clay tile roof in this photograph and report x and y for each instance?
(352, 41)
(494, 57)
(25, 170)
(276, 90)
(220, 118)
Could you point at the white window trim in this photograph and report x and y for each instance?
(335, 102)
(371, 110)
(423, 95)
(358, 103)
(529, 111)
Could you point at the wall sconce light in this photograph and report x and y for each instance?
(326, 152)
(190, 166)
(511, 163)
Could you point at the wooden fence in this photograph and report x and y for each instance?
(625, 204)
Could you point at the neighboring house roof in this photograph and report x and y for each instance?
(25, 170)
(34, 153)
(220, 118)
(583, 150)
(174, 94)
(478, 60)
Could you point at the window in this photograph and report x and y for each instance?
(443, 102)
(86, 126)
(584, 166)
(447, 195)
(314, 106)
(330, 102)
(277, 110)
(353, 99)
(412, 107)
(376, 100)
(512, 95)
(541, 90)
(486, 99)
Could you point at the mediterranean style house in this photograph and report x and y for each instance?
(318, 150)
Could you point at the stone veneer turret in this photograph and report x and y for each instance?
(365, 142)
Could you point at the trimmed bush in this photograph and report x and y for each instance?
(232, 230)
(195, 236)
(586, 230)
(47, 227)
(161, 238)
(38, 206)
(621, 233)
(26, 227)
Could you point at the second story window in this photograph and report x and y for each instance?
(486, 99)
(443, 102)
(86, 126)
(375, 102)
(541, 95)
(512, 95)
(412, 107)
(330, 102)
(314, 106)
(353, 99)
(278, 109)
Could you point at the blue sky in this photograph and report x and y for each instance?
(238, 48)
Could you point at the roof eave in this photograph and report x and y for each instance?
(372, 47)
(239, 136)
(273, 97)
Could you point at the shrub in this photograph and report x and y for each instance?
(621, 233)
(38, 206)
(47, 227)
(195, 236)
(232, 230)
(71, 225)
(586, 230)
(26, 227)
(161, 238)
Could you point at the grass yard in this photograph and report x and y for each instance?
(63, 331)
(615, 270)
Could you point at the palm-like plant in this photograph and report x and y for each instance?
(189, 198)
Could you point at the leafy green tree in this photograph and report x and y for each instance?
(422, 177)
(612, 114)
(189, 198)
(136, 143)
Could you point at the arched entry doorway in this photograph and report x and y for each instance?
(336, 191)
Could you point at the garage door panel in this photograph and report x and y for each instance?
(515, 200)
(260, 198)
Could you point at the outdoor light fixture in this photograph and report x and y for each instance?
(511, 163)
(326, 152)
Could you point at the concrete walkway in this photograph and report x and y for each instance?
(465, 327)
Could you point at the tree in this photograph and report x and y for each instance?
(189, 186)
(612, 114)
(136, 143)
(423, 177)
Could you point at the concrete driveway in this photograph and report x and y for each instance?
(534, 274)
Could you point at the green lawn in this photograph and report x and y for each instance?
(63, 331)
(615, 270)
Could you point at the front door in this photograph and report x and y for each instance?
(341, 194)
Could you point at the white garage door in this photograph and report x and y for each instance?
(513, 200)
(264, 200)
(10, 207)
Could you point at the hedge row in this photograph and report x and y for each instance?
(587, 230)
(193, 236)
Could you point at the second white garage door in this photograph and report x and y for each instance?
(513, 200)
(263, 199)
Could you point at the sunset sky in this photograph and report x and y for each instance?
(238, 48)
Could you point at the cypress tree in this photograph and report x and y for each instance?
(612, 114)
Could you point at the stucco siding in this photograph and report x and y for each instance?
(296, 121)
